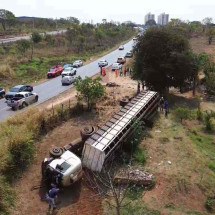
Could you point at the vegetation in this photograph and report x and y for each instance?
(89, 90)
(182, 113)
(164, 59)
(30, 60)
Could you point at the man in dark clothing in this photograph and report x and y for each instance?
(51, 196)
(161, 103)
(166, 108)
(138, 88)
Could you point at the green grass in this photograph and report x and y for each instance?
(140, 156)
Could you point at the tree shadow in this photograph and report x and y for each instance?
(180, 101)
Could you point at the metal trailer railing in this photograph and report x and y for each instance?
(99, 147)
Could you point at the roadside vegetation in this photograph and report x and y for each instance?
(29, 61)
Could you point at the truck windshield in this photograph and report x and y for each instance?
(63, 167)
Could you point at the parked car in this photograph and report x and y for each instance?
(78, 63)
(102, 63)
(22, 99)
(67, 65)
(116, 66)
(2, 92)
(19, 88)
(69, 71)
(121, 47)
(129, 54)
(55, 71)
(67, 80)
(121, 60)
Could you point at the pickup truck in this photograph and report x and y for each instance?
(22, 99)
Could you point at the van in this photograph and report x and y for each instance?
(121, 60)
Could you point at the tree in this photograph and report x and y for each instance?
(89, 90)
(35, 38)
(182, 113)
(23, 46)
(163, 59)
(73, 20)
(6, 17)
(150, 23)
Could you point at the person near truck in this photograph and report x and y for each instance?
(51, 197)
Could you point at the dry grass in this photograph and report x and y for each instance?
(6, 72)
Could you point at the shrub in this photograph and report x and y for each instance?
(208, 121)
(6, 72)
(140, 156)
(210, 204)
(199, 114)
(182, 113)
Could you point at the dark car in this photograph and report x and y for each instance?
(2, 92)
(19, 88)
(55, 71)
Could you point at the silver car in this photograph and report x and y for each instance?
(67, 80)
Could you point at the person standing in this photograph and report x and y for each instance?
(51, 197)
(125, 71)
(166, 108)
(138, 88)
(161, 103)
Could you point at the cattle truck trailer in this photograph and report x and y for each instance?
(98, 148)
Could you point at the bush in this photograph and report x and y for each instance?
(199, 114)
(210, 204)
(6, 72)
(208, 121)
(182, 113)
(140, 156)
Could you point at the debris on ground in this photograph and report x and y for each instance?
(137, 177)
(112, 84)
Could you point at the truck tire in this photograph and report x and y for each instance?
(24, 104)
(87, 132)
(36, 99)
(123, 102)
(56, 152)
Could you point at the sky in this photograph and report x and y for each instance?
(116, 10)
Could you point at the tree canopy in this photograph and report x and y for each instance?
(6, 17)
(164, 59)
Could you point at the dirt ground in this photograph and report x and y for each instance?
(78, 199)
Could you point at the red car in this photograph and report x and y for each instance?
(55, 71)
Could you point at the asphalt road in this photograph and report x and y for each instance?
(14, 39)
(53, 87)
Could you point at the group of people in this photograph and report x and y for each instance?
(164, 106)
(121, 72)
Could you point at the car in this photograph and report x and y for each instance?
(2, 92)
(22, 99)
(55, 71)
(121, 47)
(69, 71)
(102, 63)
(67, 65)
(129, 54)
(78, 63)
(116, 66)
(67, 80)
(19, 88)
(121, 60)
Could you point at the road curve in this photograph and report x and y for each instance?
(53, 87)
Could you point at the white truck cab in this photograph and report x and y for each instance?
(68, 166)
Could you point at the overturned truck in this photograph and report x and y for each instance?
(92, 151)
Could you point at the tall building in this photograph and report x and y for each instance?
(149, 16)
(163, 19)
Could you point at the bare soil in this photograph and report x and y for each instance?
(78, 199)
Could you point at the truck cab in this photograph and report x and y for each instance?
(63, 171)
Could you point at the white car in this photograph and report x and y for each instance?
(78, 63)
(102, 63)
(67, 80)
(121, 47)
(69, 71)
(116, 66)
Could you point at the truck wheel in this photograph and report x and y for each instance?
(24, 104)
(123, 102)
(56, 152)
(36, 98)
(87, 132)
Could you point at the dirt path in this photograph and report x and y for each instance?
(77, 199)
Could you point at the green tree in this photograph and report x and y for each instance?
(89, 90)
(23, 46)
(35, 38)
(163, 59)
(182, 114)
(6, 18)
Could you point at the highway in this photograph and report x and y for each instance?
(53, 87)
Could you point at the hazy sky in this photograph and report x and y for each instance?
(117, 10)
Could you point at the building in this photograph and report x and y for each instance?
(149, 16)
(163, 19)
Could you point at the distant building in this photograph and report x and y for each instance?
(163, 19)
(149, 16)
